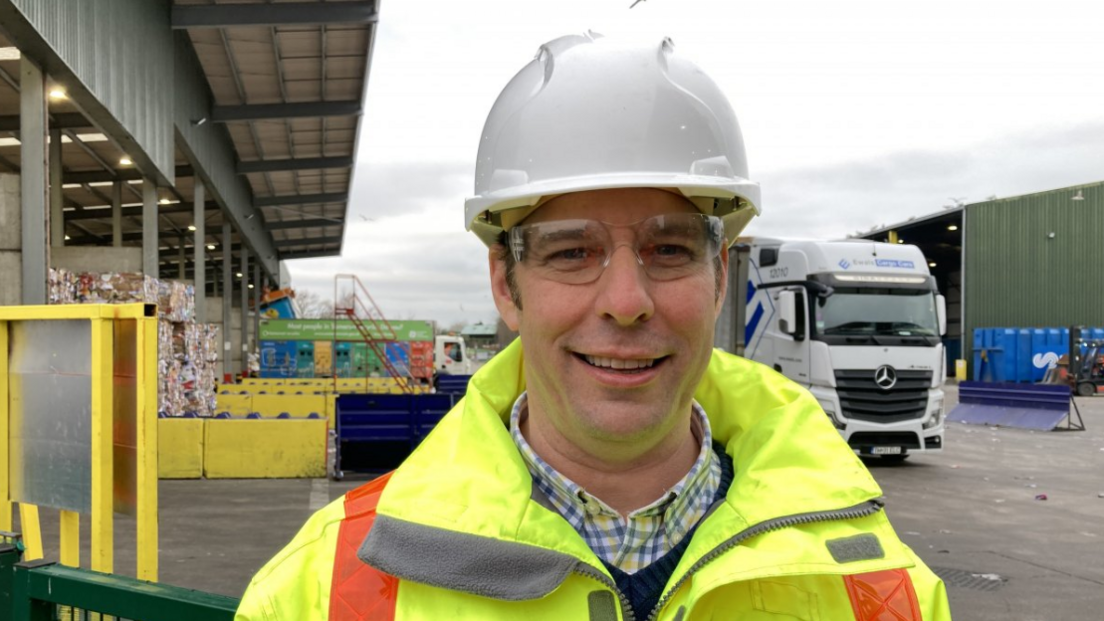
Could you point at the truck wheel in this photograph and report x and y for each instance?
(1086, 389)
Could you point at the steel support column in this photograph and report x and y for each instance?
(33, 176)
(257, 306)
(57, 198)
(199, 253)
(244, 310)
(227, 301)
(150, 261)
(117, 214)
(181, 257)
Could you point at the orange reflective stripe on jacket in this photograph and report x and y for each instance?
(358, 591)
(883, 596)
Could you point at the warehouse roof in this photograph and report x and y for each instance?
(287, 82)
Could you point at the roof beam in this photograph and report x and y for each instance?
(300, 199)
(314, 254)
(303, 224)
(283, 14)
(130, 212)
(126, 174)
(301, 163)
(67, 120)
(163, 235)
(264, 112)
(308, 241)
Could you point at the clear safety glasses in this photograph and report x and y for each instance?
(576, 252)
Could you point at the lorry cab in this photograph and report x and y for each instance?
(857, 323)
(450, 356)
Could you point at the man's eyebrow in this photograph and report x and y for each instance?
(564, 233)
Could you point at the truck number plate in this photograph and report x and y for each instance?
(885, 450)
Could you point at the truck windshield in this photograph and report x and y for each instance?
(870, 311)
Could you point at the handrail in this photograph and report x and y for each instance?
(353, 307)
(40, 587)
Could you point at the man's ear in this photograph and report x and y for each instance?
(722, 282)
(500, 289)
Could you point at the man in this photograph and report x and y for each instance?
(609, 464)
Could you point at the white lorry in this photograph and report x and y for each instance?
(451, 356)
(858, 323)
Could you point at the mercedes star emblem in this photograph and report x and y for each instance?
(885, 377)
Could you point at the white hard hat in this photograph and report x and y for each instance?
(590, 113)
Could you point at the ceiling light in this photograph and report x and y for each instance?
(900, 241)
(952, 227)
(69, 186)
(191, 227)
(125, 161)
(92, 137)
(931, 264)
(101, 184)
(210, 246)
(250, 285)
(1078, 197)
(164, 201)
(57, 94)
(67, 238)
(9, 142)
(134, 181)
(239, 274)
(9, 53)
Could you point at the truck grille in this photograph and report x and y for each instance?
(903, 439)
(862, 399)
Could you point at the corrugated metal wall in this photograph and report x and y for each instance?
(119, 50)
(1018, 276)
(210, 147)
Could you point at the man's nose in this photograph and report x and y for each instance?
(625, 288)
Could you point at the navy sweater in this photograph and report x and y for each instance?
(645, 587)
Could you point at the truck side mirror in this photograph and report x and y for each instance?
(787, 312)
(941, 313)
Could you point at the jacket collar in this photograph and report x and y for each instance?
(464, 499)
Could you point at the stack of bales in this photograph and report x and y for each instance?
(187, 351)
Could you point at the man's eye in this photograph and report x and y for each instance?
(672, 250)
(570, 254)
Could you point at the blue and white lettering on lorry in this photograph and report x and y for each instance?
(858, 323)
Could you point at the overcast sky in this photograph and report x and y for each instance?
(854, 114)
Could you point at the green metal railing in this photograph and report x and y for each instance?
(42, 591)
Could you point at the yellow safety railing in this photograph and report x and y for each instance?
(123, 369)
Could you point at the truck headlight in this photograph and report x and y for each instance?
(935, 415)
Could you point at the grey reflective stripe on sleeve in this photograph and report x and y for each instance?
(463, 562)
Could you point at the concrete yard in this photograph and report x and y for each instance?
(971, 513)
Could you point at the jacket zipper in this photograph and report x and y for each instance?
(626, 607)
(860, 510)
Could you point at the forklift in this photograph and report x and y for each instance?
(1086, 368)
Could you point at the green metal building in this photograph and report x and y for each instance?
(1030, 261)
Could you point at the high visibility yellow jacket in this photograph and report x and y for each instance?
(458, 533)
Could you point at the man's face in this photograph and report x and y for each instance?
(574, 333)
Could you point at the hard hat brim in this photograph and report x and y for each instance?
(482, 212)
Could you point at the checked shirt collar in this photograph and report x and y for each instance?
(631, 542)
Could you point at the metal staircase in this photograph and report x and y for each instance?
(353, 302)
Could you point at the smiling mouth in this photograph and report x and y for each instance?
(621, 365)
